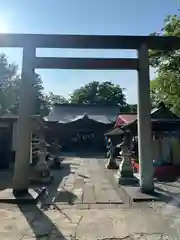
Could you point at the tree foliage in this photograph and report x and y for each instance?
(10, 83)
(166, 86)
(51, 98)
(99, 93)
(132, 108)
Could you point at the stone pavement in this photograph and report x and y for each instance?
(83, 204)
(169, 204)
(29, 222)
(82, 181)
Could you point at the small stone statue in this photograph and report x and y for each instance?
(55, 153)
(42, 173)
(112, 156)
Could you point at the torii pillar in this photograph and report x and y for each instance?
(144, 122)
(21, 170)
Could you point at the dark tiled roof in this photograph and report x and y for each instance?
(14, 117)
(115, 132)
(163, 112)
(65, 113)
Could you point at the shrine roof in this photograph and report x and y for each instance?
(65, 113)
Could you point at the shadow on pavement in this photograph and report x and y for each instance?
(168, 197)
(41, 225)
(55, 193)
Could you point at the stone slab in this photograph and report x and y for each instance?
(126, 181)
(129, 224)
(103, 205)
(88, 193)
(78, 193)
(71, 206)
(7, 196)
(64, 197)
(31, 223)
(137, 196)
(88, 184)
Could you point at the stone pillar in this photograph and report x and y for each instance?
(21, 169)
(144, 123)
(125, 167)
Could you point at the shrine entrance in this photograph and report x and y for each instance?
(29, 43)
(84, 140)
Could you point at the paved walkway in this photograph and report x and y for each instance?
(84, 204)
(29, 222)
(82, 181)
(169, 205)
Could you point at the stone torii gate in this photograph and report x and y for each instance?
(30, 42)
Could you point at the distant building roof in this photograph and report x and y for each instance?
(65, 113)
(160, 112)
(14, 117)
(114, 132)
(125, 119)
(162, 119)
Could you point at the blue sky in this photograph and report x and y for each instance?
(116, 17)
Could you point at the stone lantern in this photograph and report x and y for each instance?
(125, 173)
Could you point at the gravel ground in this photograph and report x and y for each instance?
(169, 205)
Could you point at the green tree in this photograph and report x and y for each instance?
(39, 102)
(132, 108)
(166, 87)
(10, 83)
(157, 95)
(50, 99)
(40, 106)
(99, 93)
